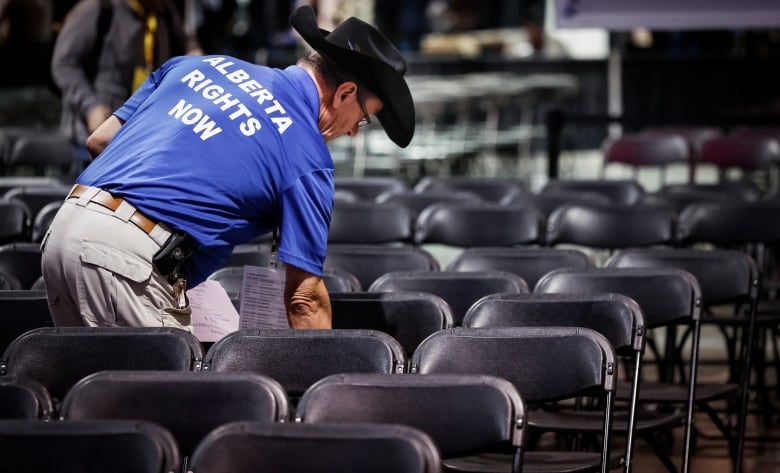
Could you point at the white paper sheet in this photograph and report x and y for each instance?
(262, 298)
(213, 314)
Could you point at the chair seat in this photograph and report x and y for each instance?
(665, 393)
(533, 462)
(588, 421)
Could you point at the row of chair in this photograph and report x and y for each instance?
(728, 278)
(135, 446)
(663, 299)
(463, 410)
(744, 149)
(26, 210)
(547, 219)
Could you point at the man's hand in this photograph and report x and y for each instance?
(307, 300)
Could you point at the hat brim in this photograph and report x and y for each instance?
(397, 113)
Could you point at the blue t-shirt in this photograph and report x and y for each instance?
(226, 151)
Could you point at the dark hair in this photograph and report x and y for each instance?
(331, 73)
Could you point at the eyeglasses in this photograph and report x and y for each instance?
(366, 120)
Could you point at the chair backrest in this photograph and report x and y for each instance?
(340, 280)
(615, 316)
(743, 152)
(750, 227)
(369, 222)
(231, 278)
(368, 262)
(253, 254)
(9, 182)
(665, 295)
(466, 224)
(530, 263)
(57, 357)
(250, 447)
(39, 285)
(729, 223)
(42, 220)
(462, 414)
(97, 446)
(724, 276)
(416, 202)
(694, 135)
(36, 197)
(678, 196)
(643, 149)
(9, 282)
(756, 130)
(584, 363)
(367, 188)
(23, 260)
(188, 404)
(584, 360)
(459, 289)
(298, 358)
(547, 202)
(20, 311)
(490, 189)
(408, 317)
(14, 221)
(611, 226)
(42, 153)
(24, 398)
(619, 191)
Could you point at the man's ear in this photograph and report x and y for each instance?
(343, 92)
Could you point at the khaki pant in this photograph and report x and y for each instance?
(97, 267)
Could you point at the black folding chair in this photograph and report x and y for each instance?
(188, 404)
(528, 263)
(370, 223)
(368, 262)
(619, 191)
(584, 362)
(463, 414)
(22, 260)
(408, 317)
(367, 188)
(57, 357)
(24, 398)
(97, 446)
(22, 310)
(251, 447)
(668, 297)
(728, 279)
(489, 189)
(458, 289)
(298, 358)
(617, 317)
(750, 227)
(467, 224)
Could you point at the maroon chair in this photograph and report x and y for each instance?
(748, 154)
(694, 135)
(639, 150)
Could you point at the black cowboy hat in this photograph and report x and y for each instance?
(364, 53)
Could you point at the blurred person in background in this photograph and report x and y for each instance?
(104, 52)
